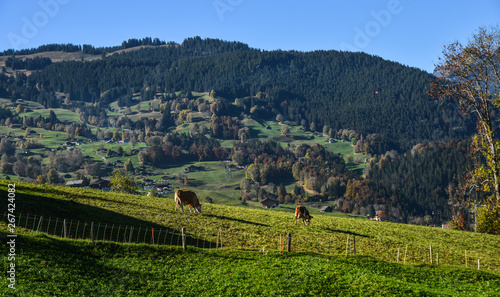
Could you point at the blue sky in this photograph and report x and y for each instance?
(410, 32)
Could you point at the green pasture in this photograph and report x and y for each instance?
(252, 228)
(51, 266)
(321, 262)
(64, 115)
(26, 104)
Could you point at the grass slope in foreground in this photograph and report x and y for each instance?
(48, 266)
(317, 265)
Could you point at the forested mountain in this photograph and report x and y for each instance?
(414, 147)
(342, 90)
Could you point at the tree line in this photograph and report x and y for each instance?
(322, 88)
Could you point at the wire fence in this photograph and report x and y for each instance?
(217, 238)
(93, 231)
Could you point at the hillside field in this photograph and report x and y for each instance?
(251, 262)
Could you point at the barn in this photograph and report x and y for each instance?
(326, 208)
(269, 203)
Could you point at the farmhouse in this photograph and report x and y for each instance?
(167, 178)
(100, 183)
(269, 203)
(163, 188)
(232, 167)
(193, 168)
(75, 183)
(326, 208)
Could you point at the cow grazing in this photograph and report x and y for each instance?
(302, 212)
(189, 198)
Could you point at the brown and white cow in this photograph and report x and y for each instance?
(189, 198)
(302, 212)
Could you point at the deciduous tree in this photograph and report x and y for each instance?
(122, 183)
(471, 76)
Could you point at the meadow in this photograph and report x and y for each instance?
(321, 262)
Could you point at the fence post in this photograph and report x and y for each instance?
(183, 235)
(437, 258)
(289, 245)
(92, 232)
(430, 252)
(34, 222)
(118, 234)
(478, 264)
(48, 226)
(347, 245)
(220, 231)
(406, 250)
(125, 234)
(64, 228)
(153, 235)
(465, 258)
(397, 261)
(39, 224)
(130, 237)
(97, 233)
(145, 234)
(55, 227)
(77, 226)
(354, 244)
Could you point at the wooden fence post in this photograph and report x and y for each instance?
(347, 245)
(220, 230)
(437, 258)
(39, 224)
(183, 235)
(97, 233)
(430, 252)
(153, 234)
(397, 261)
(465, 258)
(354, 244)
(217, 241)
(406, 249)
(130, 236)
(92, 232)
(289, 246)
(478, 264)
(64, 228)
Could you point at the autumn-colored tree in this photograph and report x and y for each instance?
(470, 75)
(458, 222)
(285, 131)
(122, 183)
(154, 192)
(128, 166)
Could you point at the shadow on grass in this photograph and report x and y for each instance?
(346, 232)
(236, 220)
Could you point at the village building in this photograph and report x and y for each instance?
(326, 208)
(193, 168)
(269, 203)
(100, 183)
(76, 183)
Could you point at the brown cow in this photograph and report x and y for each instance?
(302, 212)
(189, 198)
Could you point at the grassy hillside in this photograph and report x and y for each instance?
(253, 228)
(50, 266)
(317, 265)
